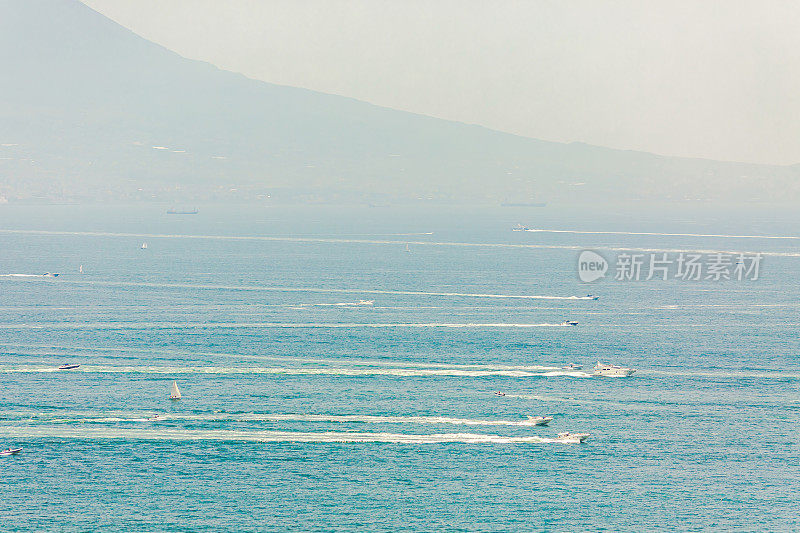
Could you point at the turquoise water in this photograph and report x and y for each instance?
(306, 408)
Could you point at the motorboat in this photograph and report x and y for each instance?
(519, 227)
(10, 451)
(572, 438)
(573, 366)
(68, 366)
(50, 274)
(499, 393)
(612, 371)
(539, 420)
(591, 297)
(569, 323)
(365, 302)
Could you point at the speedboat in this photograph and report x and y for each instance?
(365, 302)
(612, 371)
(591, 297)
(10, 451)
(572, 438)
(570, 323)
(538, 420)
(50, 274)
(519, 227)
(499, 393)
(573, 366)
(68, 366)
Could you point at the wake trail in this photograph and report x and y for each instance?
(583, 232)
(77, 433)
(385, 242)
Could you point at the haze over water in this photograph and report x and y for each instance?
(332, 380)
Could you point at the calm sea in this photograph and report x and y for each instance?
(338, 369)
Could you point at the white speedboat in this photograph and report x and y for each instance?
(538, 420)
(572, 438)
(612, 371)
(10, 451)
(499, 393)
(573, 366)
(570, 323)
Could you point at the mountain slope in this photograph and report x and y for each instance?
(92, 110)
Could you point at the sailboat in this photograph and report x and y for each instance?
(407, 248)
(144, 246)
(174, 392)
(80, 269)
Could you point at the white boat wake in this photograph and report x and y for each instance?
(31, 432)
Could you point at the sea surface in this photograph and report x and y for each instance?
(338, 369)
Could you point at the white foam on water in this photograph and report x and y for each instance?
(266, 288)
(278, 325)
(583, 232)
(70, 352)
(384, 242)
(115, 417)
(296, 371)
(93, 433)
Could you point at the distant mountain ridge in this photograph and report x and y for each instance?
(89, 110)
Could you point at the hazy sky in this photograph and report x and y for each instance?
(717, 79)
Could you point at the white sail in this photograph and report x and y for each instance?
(174, 392)
(144, 246)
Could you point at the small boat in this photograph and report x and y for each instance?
(612, 371)
(539, 420)
(155, 417)
(573, 366)
(144, 246)
(499, 393)
(591, 297)
(174, 392)
(572, 438)
(175, 211)
(519, 227)
(407, 248)
(365, 302)
(570, 323)
(50, 274)
(10, 451)
(68, 366)
(80, 269)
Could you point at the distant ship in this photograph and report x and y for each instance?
(68, 366)
(523, 204)
(144, 246)
(175, 211)
(570, 323)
